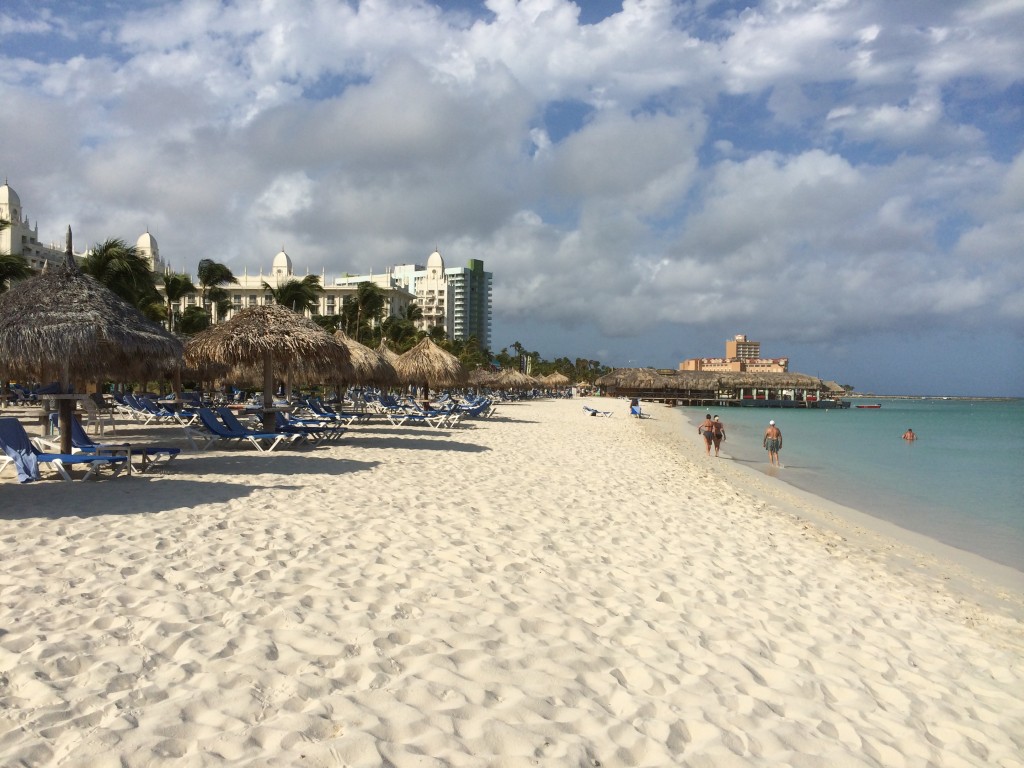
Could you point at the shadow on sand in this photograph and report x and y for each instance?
(168, 487)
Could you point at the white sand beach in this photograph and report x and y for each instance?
(542, 588)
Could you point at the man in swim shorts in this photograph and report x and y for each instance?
(773, 443)
(717, 433)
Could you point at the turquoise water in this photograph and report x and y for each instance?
(961, 482)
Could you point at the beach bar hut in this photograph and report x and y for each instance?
(773, 390)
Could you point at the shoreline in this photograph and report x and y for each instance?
(969, 398)
(991, 584)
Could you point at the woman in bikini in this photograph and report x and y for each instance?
(707, 429)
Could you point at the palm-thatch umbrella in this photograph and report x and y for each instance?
(368, 366)
(513, 379)
(556, 379)
(266, 336)
(66, 323)
(387, 353)
(429, 366)
(480, 377)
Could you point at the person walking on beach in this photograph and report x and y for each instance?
(707, 428)
(717, 434)
(773, 443)
(909, 434)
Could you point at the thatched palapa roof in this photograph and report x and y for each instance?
(275, 338)
(555, 379)
(427, 364)
(481, 377)
(64, 324)
(635, 378)
(387, 353)
(513, 379)
(650, 380)
(292, 342)
(368, 366)
(767, 380)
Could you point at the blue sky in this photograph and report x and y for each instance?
(842, 181)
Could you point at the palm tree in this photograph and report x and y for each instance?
(220, 300)
(302, 296)
(213, 274)
(176, 287)
(193, 320)
(329, 323)
(399, 331)
(12, 268)
(413, 312)
(363, 312)
(470, 354)
(122, 269)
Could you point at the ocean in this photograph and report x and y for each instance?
(961, 482)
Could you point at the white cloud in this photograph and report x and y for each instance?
(799, 167)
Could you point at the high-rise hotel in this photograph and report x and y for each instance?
(455, 298)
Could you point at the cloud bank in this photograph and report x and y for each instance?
(796, 170)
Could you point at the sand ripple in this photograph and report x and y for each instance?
(544, 589)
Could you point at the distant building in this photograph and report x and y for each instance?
(150, 251)
(740, 355)
(249, 290)
(457, 299)
(21, 238)
(739, 348)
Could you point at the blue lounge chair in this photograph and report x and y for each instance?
(157, 412)
(19, 450)
(256, 436)
(594, 412)
(313, 430)
(212, 430)
(435, 417)
(149, 454)
(327, 413)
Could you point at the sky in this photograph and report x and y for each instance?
(841, 180)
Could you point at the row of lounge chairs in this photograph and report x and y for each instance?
(146, 410)
(313, 423)
(447, 413)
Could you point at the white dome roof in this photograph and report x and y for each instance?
(147, 242)
(435, 260)
(282, 263)
(9, 197)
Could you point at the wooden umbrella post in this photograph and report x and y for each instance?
(269, 420)
(65, 407)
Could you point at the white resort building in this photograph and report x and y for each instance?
(21, 238)
(455, 298)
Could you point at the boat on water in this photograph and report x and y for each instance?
(875, 405)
